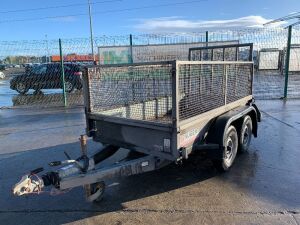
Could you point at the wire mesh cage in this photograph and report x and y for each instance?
(140, 91)
(204, 86)
(147, 91)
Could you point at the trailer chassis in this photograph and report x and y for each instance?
(83, 172)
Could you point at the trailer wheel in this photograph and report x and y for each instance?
(245, 134)
(98, 188)
(229, 150)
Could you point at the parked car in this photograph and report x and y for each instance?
(48, 76)
(28, 67)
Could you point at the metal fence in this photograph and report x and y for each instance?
(41, 59)
(269, 59)
(151, 52)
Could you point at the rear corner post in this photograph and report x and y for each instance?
(175, 107)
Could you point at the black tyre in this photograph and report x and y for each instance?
(21, 88)
(229, 150)
(96, 187)
(245, 134)
(69, 86)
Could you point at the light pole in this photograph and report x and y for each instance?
(91, 31)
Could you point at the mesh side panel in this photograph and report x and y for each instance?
(221, 53)
(238, 81)
(230, 54)
(218, 54)
(202, 87)
(244, 54)
(140, 92)
(206, 55)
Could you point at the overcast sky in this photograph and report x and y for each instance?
(112, 17)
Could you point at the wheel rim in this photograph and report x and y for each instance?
(21, 87)
(98, 187)
(246, 135)
(230, 149)
(68, 86)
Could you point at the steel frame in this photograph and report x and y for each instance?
(223, 47)
(132, 167)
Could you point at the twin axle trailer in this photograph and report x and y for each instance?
(162, 112)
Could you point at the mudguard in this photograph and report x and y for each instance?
(217, 132)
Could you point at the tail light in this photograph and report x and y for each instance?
(78, 73)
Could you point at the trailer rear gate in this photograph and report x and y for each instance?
(158, 108)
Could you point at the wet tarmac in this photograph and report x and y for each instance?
(263, 187)
(6, 94)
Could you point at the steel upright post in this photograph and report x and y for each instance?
(287, 61)
(62, 73)
(131, 54)
(91, 32)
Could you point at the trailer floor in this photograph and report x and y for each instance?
(263, 187)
